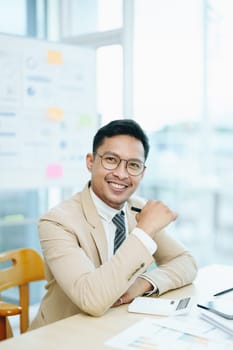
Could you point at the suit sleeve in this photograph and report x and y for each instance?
(176, 266)
(92, 287)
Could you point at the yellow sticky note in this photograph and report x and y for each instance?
(54, 57)
(56, 114)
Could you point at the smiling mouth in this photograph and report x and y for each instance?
(117, 186)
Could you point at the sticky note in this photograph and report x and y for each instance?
(54, 171)
(55, 113)
(54, 57)
(85, 120)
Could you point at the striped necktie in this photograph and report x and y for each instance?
(119, 221)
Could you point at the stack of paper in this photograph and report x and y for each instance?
(218, 321)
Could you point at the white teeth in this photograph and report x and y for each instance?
(117, 186)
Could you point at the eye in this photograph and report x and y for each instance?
(111, 159)
(134, 165)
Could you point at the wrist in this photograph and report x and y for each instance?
(150, 287)
(147, 287)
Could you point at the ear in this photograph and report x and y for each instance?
(143, 173)
(89, 161)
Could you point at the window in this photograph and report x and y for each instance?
(109, 14)
(183, 98)
(13, 17)
(109, 82)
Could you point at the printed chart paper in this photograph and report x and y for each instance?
(147, 334)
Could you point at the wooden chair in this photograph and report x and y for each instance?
(26, 266)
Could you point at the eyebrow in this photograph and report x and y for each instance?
(115, 154)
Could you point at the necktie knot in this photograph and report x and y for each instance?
(119, 221)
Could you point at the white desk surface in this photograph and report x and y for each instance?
(86, 332)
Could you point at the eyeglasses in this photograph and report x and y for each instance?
(111, 161)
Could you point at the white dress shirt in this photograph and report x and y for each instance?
(106, 214)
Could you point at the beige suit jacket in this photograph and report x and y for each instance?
(80, 277)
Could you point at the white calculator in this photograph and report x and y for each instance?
(160, 306)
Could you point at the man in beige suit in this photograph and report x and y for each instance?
(77, 237)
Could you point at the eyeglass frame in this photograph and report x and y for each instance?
(120, 160)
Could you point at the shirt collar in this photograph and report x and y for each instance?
(106, 212)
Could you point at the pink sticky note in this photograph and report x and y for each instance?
(54, 170)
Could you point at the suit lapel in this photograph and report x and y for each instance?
(96, 227)
(99, 238)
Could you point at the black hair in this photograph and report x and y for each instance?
(121, 127)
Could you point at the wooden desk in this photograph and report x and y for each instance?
(89, 333)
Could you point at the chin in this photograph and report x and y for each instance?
(118, 203)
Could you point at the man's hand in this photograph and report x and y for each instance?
(138, 288)
(154, 216)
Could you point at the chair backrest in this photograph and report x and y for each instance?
(26, 266)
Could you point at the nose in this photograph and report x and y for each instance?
(121, 170)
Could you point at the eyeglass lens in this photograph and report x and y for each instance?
(111, 162)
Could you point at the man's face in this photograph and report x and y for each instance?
(114, 187)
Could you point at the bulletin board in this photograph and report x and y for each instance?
(47, 112)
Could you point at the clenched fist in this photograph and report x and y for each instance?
(154, 216)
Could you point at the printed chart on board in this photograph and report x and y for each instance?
(47, 112)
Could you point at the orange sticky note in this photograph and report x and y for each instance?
(55, 113)
(54, 57)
